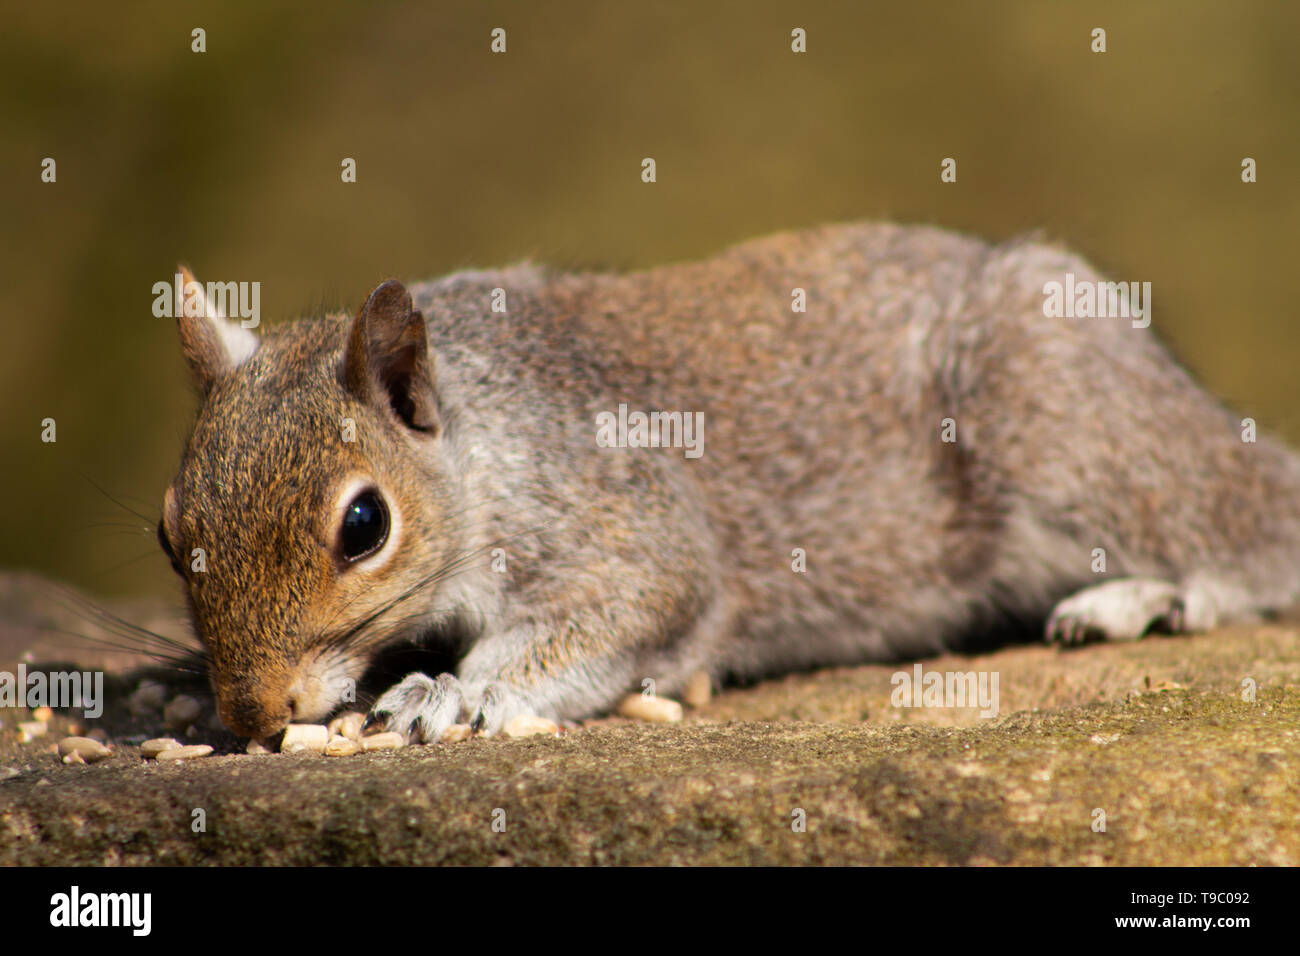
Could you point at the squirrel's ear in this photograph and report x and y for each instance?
(211, 345)
(387, 359)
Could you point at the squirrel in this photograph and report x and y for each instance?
(917, 456)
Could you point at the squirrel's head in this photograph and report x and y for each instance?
(310, 504)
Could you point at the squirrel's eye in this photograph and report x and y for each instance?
(365, 526)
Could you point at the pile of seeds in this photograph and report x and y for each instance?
(342, 737)
(168, 749)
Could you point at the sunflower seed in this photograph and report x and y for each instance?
(306, 737)
(456, 733)
(148, 698)
(87, 749)
(655, 710)
(152, 748)
(181, 712)
(191, 752)
(530, 725)
(347, 725)
(341, 747)
(699, 690)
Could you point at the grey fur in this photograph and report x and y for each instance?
(823, 434)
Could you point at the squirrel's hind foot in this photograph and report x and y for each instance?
(1123, 610)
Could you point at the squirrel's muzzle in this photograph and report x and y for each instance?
(256, 712)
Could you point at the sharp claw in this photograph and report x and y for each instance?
(373, 720)
(1067, 631)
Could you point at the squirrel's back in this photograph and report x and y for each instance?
(947, 457)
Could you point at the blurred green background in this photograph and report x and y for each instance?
(229, 160)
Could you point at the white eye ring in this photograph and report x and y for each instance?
(345, 502)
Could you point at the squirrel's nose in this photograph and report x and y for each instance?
(256, 717)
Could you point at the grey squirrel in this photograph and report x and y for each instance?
(917, 456)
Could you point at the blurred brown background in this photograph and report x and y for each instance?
(229, 160)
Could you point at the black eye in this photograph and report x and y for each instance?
(365, 526)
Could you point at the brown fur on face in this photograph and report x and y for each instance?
(258, 491)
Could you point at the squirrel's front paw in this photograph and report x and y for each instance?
(419, 707)
(498, 704)
(422, 708)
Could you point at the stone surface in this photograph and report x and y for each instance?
(1155, 734)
